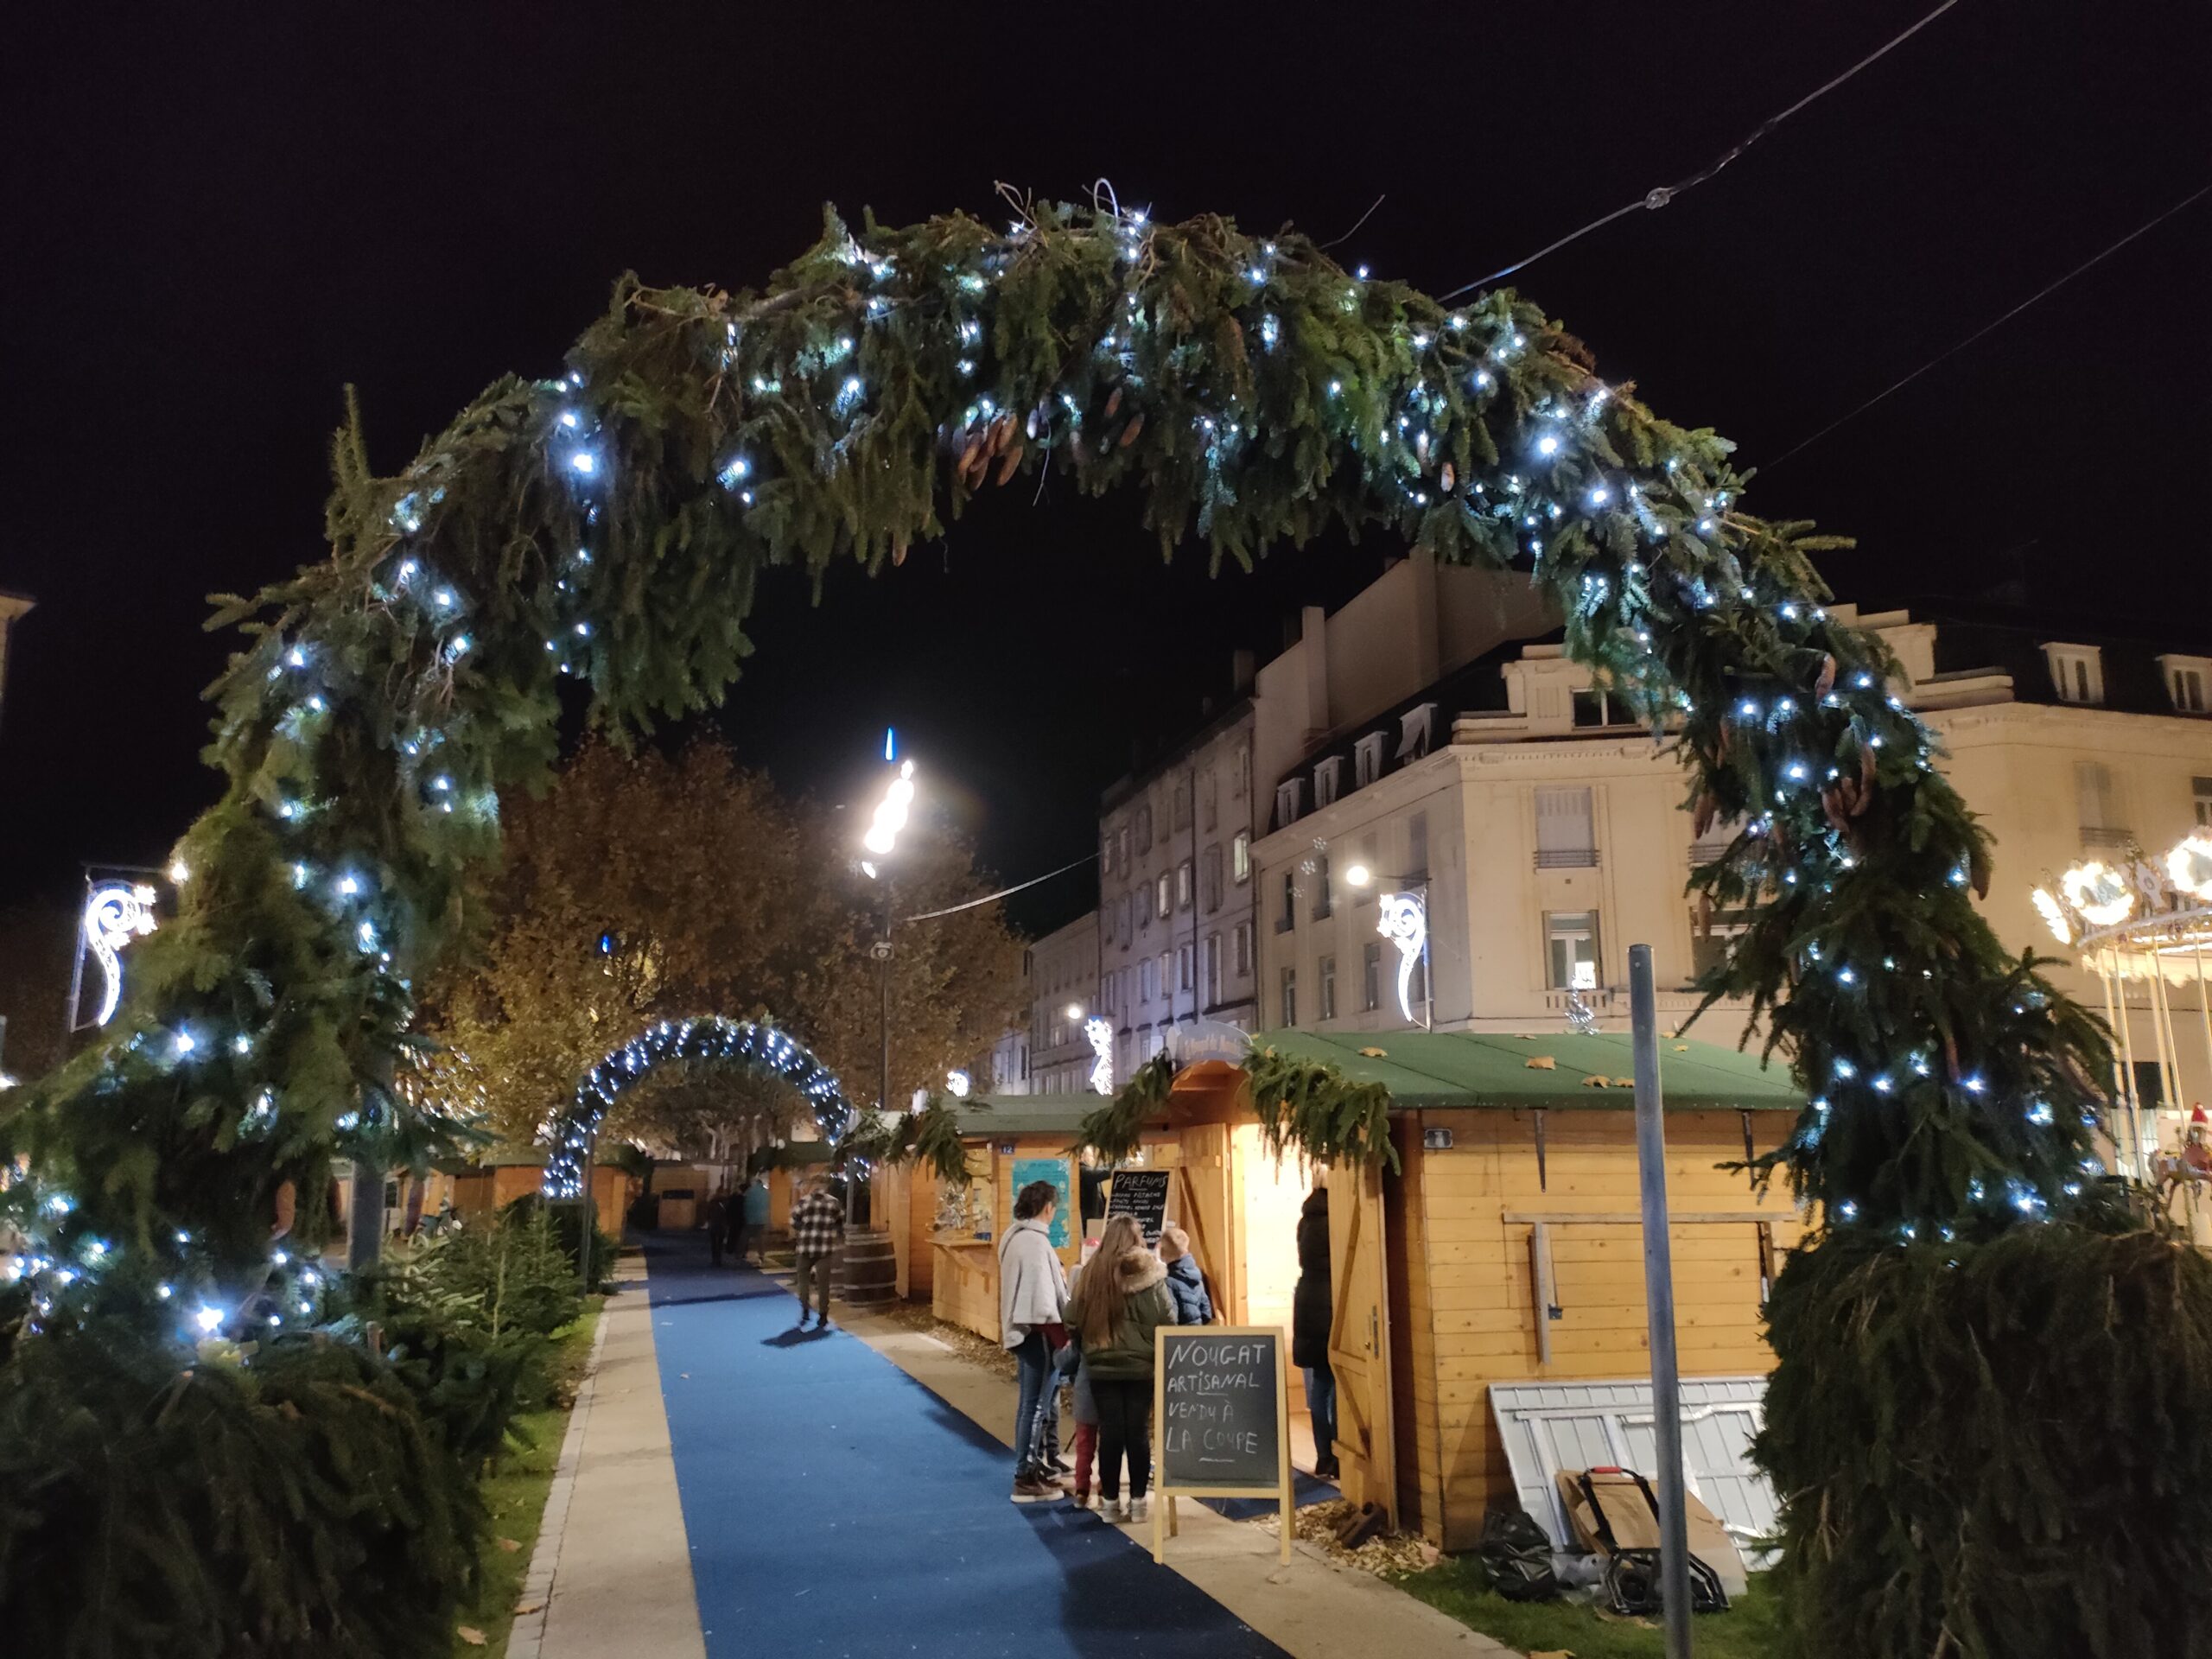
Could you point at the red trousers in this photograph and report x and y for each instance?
(1084, 1450)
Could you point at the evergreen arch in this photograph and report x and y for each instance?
(603, 526)
(713, 1037)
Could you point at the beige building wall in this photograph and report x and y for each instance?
(2020, 766)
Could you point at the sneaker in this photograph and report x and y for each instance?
(1114, 1508)
(1082, 1499)
(1028, 1489)
(1140, 1507)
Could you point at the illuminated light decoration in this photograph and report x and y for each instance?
(2098, 892)
(891, 812)
(710, 1037)
(1101, 1034)
(115, 912)
(209, 1319)
(2053, 914)
(179, 871)
(2190, 866)
(959, 1082)
(584, 462)
(1404, 921)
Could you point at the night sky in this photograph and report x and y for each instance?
(213, 225)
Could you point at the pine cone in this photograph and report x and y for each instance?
(1130, 432)
(1113, 403)
(1447, 478)
(1825, 684)
(1010, 459)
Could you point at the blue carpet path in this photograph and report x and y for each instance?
(835, 1506)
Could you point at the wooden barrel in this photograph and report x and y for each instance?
(868, 1266)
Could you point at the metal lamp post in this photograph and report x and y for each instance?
(882, 838)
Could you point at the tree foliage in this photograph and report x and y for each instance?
(642, 888)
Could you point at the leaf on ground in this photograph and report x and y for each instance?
(509, 1545)
(1543, 1063)
(1554, 1653)
(1376, 1054)
(470, 1634)
(528, 1608)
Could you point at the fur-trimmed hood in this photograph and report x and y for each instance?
(1140, 1270)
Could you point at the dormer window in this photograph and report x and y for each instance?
(1598, 707)
(1325, 774)
(2077, 673)
(1368, 757)
(1290, 801)
(2188, 680)
(1414, 730)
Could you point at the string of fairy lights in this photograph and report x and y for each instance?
(1475, 431)
(713, 1037)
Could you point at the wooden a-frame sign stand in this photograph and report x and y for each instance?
(1169, 1488)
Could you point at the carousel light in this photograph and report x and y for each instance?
(2053, 914)
(2098, 891)
(2190, 866)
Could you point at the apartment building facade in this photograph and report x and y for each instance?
(1546, 832)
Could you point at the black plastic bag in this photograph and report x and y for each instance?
(1517, 1552)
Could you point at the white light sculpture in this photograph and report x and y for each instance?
(1101, 1033)
(959, 1082)
(115, 912)
(1404, 922)
(891, 813)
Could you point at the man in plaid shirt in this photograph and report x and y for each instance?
(817, 1219)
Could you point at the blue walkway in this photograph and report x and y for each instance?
(835, 1506)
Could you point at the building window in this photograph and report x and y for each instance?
(1212, 878)
(1185, 979)
(1290, 996)
(1143, 822)
(1167, 981)
(1240, 857)
(1414, 731)
(1367, 758)
(2077, 673)
(1417, 846)
(2186, 679)
(1239, 774)
(1286, 917)
(1601, 708)
(1121, 851)
(2100, 816)
(1327, 986)
(1210, 800)
(1213, 971)
(1144, 980)
(1370, 978)
(1570, 937)
(1163, 894)
(1325, 774)
(1290, 798)
(1566, 834)
(1182, 803)
(2201, 787)
(1183, 885)
(1128, 911)
(1709, 947)
(1320, 886)
(1241, 943)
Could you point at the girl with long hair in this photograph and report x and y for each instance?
(1119, 1301)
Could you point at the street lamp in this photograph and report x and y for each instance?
(881, 840)
(1403, 920)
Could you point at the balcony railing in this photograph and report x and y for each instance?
(1567, 858)
(2106, 836)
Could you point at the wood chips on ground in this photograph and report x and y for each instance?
(1385, 1557)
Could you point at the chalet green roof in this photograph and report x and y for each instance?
(1443, 1069)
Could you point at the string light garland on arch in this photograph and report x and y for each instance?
(709, 1038)
(607, 525)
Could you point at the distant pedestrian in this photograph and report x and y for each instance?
(1312, 1308)
(718, 1214)
(818, 1222)
(751, 1214)
(1187, 1285)
(1118, 1305)
(1032, 1314)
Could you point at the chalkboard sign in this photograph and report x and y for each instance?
(1221, 1400)
(1141, 1193)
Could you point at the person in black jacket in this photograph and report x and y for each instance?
(1311, 1309)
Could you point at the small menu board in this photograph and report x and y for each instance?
(1141, 1193)
(1221, 1404)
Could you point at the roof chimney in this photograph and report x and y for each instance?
(1241, 672)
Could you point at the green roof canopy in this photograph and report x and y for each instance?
(1446, 1069)
(985, 1116)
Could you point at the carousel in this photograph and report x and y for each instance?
(2144, 926)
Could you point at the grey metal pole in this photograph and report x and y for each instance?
(1659, 1301)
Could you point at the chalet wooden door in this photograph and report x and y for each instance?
(1359, 1339)
(1202, 1208)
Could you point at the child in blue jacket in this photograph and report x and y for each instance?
(1187, 1285)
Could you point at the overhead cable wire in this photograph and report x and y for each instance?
(1003, 892)
(1660, 195)
(2044, 293)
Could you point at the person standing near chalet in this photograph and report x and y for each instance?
(817, 1222)
(1032, 1313)
(751, 1214)
(1311, 1309)
(1121, 1300)
(718, 1211)
(1187, 1285)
